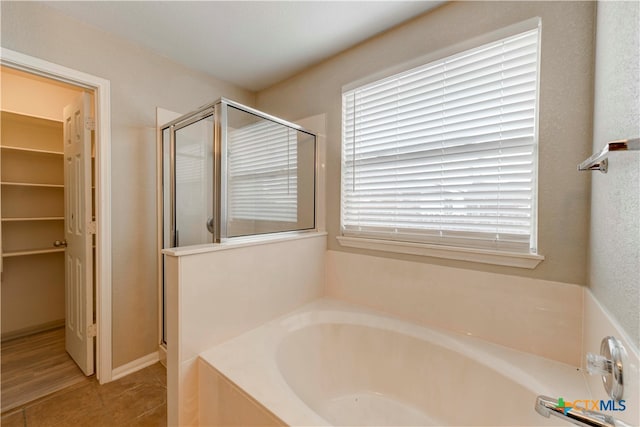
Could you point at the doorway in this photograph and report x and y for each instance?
(100, 90)
(40, 310)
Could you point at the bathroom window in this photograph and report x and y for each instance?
(446, 153)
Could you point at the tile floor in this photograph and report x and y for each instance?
(139, 399)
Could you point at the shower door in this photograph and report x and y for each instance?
(187, 187)
(188, 182)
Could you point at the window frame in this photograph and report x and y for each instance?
(489, 256)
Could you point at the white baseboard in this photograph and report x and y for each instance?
(135, 365)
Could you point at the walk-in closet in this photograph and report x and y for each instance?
(32, 199)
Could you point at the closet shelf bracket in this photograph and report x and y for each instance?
(599, 161)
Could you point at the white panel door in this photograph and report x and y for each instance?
(77, 220)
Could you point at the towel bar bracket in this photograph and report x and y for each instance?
(599, 162)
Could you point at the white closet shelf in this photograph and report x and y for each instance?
(31, 150)
(30, 184)
(10, 254)
(44, 218)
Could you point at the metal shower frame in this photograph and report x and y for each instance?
(218, 110)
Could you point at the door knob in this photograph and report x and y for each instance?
(60, 243)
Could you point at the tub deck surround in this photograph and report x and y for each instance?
(333, 363)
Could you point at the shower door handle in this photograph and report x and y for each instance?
(210, 225)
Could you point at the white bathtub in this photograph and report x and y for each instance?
(331, 363)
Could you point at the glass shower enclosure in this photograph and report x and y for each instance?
(230, 171)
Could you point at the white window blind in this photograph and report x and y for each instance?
(263, 172)
(446, 153)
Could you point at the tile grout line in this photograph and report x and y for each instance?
(145, 413)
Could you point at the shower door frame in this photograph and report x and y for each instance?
(174, 126)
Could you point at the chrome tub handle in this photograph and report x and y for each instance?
(547, 406)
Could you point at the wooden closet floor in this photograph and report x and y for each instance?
(36, 366)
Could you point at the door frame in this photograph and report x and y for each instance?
(102, 100)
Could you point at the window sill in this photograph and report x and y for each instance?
(484, 256)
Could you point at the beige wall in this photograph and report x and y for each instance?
(565, 113)
(614, 268)
(140, 81)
